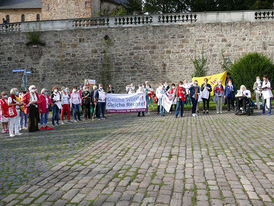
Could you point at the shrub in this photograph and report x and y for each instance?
(200, 66)
(245, 70)
(226, 64)
(34, 38)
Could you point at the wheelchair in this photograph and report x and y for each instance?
(246, 103)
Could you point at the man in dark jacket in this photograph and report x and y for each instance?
(86, 100)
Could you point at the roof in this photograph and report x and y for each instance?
(20, 4)
(122, 2)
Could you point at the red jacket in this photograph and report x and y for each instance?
(26, 99)
(172, 90)
(43, 103)
(7, 111)
(219, 89)
(181, 93)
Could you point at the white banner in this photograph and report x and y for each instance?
(166, 103)
(126, 103)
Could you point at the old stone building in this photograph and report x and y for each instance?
(36, 10)
(20, 10)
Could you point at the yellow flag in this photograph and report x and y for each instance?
(212, 80)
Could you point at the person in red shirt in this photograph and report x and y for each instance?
(4, 112)
(180, 95)
(31, 101)
(44, 106)
(172, 93)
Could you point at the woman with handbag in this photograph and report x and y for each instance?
(206, 89)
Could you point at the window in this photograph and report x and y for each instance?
(87, 4)
(8, 18)
(23, 18)
(38, 17)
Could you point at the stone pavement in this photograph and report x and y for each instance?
(125, 160)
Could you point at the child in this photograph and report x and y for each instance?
(4, 118)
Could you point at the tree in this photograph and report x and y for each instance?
(134, 6)
(262, 4)
(174, 6)
(164, 6)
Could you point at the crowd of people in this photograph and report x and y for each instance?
(21, 110)
(186, 93)
(26, 109)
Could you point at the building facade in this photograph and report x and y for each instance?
(35, 10)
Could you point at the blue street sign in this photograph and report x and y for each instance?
(18, 70)
(21, 70)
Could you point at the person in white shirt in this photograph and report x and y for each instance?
(266, 95)
(186, 86)
(65, 101)
(57, 105)
(257, 87)
(100, 97)
(130, 89)
(75, 102)
(14, 108)
(160, 92)
(242, 98)
(141, 90)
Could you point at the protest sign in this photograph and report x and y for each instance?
(125, 103)
(212, 80)
(89, 82)
(166, 103)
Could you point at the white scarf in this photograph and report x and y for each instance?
(33, 97)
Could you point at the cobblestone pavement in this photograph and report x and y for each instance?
(125, 160)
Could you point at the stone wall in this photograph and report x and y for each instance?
(16, 14)
(66, 9)
(153, 53)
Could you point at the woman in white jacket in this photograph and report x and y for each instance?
(160, 92)
(267, 95)
(141, 90)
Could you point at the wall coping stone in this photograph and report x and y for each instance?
(140, 20)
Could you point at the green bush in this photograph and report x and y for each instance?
(199, 66)
(245, 70)
(34, 38)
